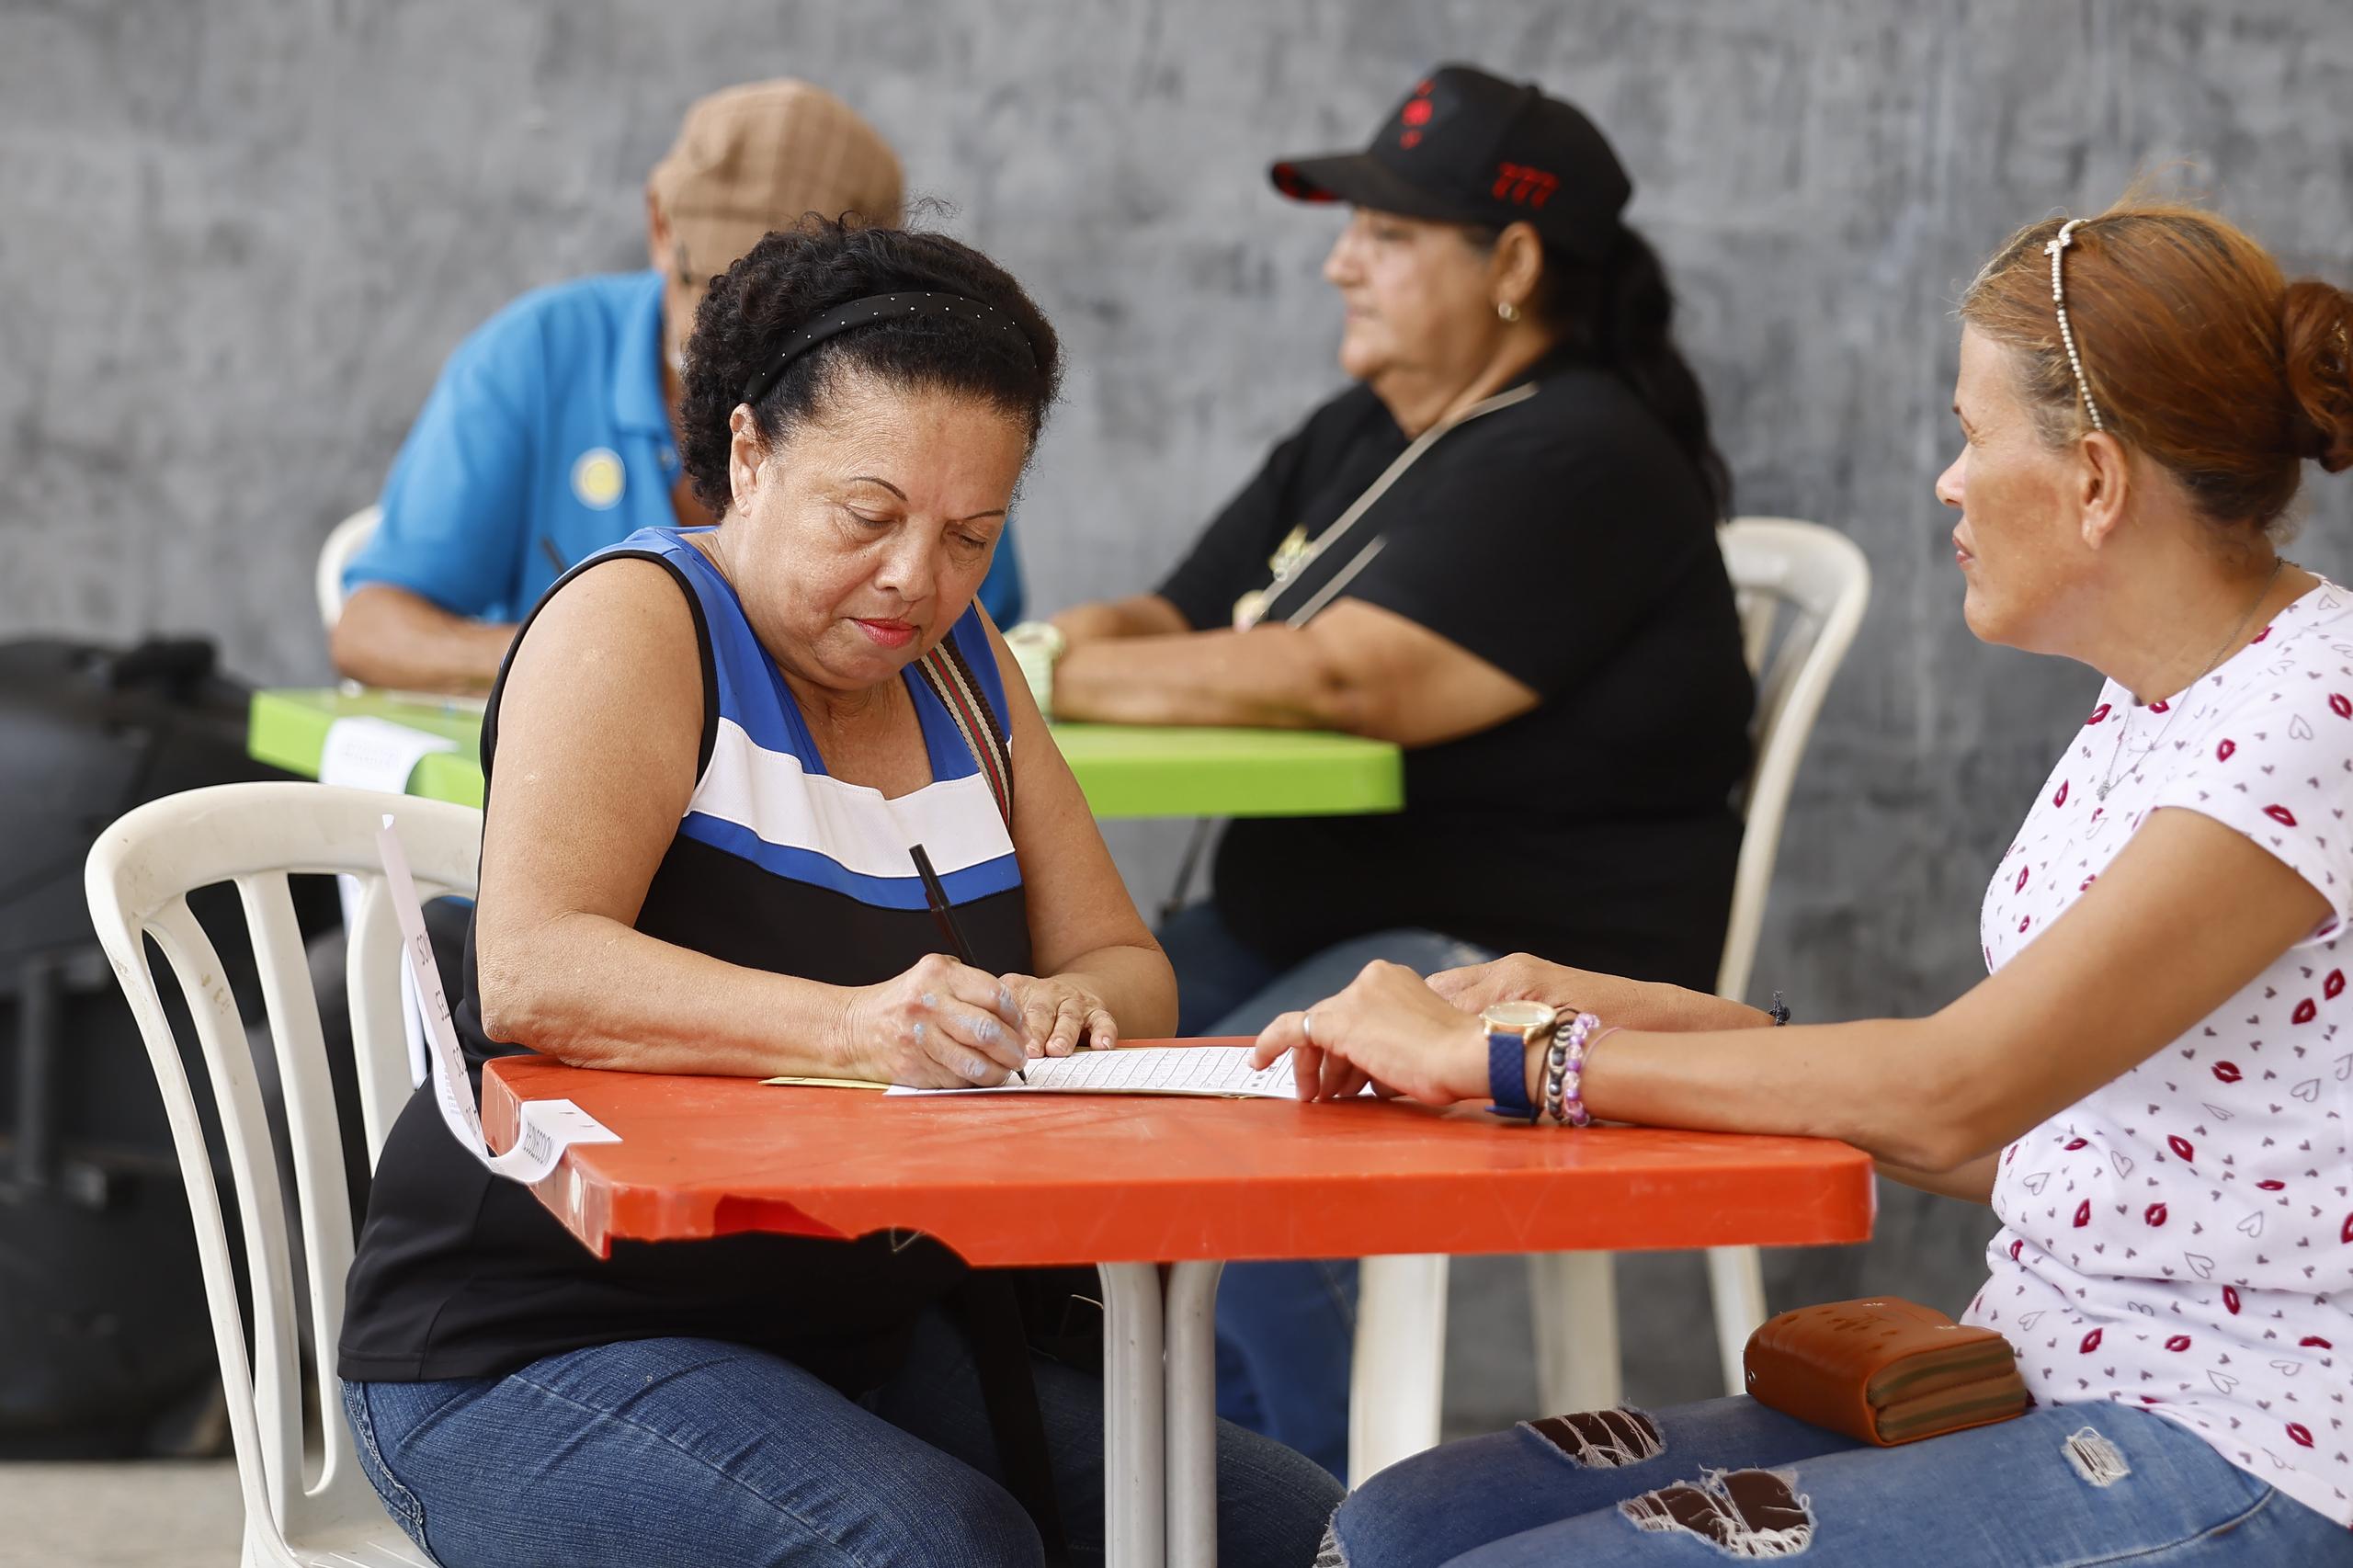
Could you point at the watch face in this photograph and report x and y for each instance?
(1521, 1016)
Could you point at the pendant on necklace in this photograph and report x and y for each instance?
(2103, 790)
(1290, 554)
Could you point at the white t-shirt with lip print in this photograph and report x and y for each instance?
(2182, 1237)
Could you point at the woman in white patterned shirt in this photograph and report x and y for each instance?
(2153, 1085)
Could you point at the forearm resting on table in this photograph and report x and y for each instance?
(1649, 1005)
(1139, 615)
(388, 636)
(1897, 1089)
(1693, 1010)
(592, 992)
(1271, 677)
(1971, 1183)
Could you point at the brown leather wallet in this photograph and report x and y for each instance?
(1884, 1370)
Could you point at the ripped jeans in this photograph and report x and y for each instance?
(2068, 1486)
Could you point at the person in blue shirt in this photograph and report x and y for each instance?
(551, 432)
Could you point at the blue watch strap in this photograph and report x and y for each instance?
(1507, 1075)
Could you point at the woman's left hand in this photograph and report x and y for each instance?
(1388, 1027)
(1059, 1015)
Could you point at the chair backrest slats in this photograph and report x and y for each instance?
(308, 1090)
(373, 979)
(261, 1200)
(345, 539)
(138, 875)
(1819, 582)
(204, 1208)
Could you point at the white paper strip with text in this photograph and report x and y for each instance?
(550, 1127)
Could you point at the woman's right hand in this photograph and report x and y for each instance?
(1387, 1029)
(941, 1025)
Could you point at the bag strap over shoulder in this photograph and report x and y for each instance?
(951, 680)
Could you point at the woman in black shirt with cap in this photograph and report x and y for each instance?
(1498, 549)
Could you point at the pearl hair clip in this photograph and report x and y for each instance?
(2059, 243)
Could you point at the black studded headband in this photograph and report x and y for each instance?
(878, 308)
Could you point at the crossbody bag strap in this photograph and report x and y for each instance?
(1364, 502)
(951, 680)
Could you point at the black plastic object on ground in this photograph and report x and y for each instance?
(104, 1346)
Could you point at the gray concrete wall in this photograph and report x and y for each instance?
(237, 238)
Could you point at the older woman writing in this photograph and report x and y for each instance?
(1498, 549)
(707, 762)
(2151, 1088)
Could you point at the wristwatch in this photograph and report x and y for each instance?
(1037, 646)
(1512, 1028)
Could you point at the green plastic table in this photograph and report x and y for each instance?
(1126, 770)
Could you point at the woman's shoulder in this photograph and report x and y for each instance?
(624, 574)
(614, 645)
(642, 584)
(1582, 433)
(2300, 664)
(2269, 735)
(1592, 406)
(624, 620)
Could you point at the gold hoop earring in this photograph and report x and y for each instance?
(1507, 309)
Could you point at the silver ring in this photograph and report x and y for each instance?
(1307, 1027)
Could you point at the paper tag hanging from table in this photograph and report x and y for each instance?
(548, 1127)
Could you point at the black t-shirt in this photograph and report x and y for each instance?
(1565, 539)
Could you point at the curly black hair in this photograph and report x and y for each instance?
(795, 275)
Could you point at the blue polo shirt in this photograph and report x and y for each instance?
(546, 439)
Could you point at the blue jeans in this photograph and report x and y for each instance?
(1606, 1491)
(692, 1452)
(1285, 1331)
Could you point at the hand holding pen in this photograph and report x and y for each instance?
(1055, 1015)
(937, 1024)
(944, 914)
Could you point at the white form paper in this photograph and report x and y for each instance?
(550, 1127)
(368, 753)
(1222, 1070)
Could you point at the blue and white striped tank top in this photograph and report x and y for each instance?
(813, 870)
(764, 795)
(775, 865)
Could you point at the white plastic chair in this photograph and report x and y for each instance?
(138, 879)
(1802, 590)
(344, 541)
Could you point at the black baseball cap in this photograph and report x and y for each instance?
(1466, 147)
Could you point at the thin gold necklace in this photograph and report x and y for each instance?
(2122, 720)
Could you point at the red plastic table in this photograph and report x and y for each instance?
(1128, 1183)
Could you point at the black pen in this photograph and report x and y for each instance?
(937, 896)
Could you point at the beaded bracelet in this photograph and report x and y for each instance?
(1576, 1101)
(1564, 1072)
(1556, 1059)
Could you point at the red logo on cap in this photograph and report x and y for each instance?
(1524, 187)
(1416, 113)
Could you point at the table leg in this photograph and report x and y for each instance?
(1136, 1477)
(1397, 1391)
(1192, 1414)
